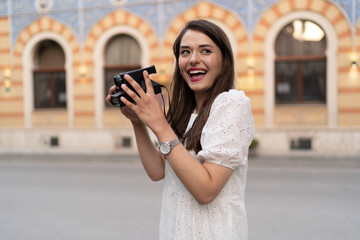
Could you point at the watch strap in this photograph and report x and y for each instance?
(174, 143)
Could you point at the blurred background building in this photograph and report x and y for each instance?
(297, 60)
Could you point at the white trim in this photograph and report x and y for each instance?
(331, 82)
(39, 7)
(28, 64)
(118, 3)
(99, 50)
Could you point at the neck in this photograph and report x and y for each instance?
(200, 99)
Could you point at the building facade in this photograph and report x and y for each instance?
(297, 60)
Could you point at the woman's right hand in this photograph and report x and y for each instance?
(124, 110)
(108, 97)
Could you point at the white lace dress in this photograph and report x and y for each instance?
(225, 140)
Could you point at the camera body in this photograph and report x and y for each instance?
(137, 75)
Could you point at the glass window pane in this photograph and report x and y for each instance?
(59, 89)
(314, 83)
(286, 82)
(49, 90)
(122, 50)
(42, 90)
(301, 37)
(49, 54)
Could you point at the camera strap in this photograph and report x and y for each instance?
(170, 113)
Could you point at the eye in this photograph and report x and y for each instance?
(184, 52)
(205, 51)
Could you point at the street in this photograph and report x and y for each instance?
(98, 198)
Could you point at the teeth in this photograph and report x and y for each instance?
(197, 72)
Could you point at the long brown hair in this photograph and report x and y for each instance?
(183, 99)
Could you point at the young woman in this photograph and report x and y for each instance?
(205, 165)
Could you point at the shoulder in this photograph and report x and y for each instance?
(232, 99)
(228, 131)
(230, 106)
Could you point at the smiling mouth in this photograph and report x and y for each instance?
(196, 75)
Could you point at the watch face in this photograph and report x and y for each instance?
(164, 148)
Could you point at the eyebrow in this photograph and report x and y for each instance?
(201, 46)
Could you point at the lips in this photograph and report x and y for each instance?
(196, 74)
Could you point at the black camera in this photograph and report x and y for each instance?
(137, 75)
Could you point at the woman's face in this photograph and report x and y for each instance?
(200, 61)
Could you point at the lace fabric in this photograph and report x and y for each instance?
(225, 140)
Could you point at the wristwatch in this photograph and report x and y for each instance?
(166, 147)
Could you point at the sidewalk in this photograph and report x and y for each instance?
(110, 197)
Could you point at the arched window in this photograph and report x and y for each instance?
(122, 54)
(300, 63)
(49, 76)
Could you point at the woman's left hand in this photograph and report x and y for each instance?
(146, 105)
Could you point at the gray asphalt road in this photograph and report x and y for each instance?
(61, 198)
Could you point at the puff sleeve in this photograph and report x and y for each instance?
(229, 130)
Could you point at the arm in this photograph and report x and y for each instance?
(151, 158)
(203, 181)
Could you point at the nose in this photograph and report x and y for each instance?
(195, 58)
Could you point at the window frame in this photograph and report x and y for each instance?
(52, 71)
(299, 60)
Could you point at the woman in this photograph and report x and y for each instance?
(205, 163)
